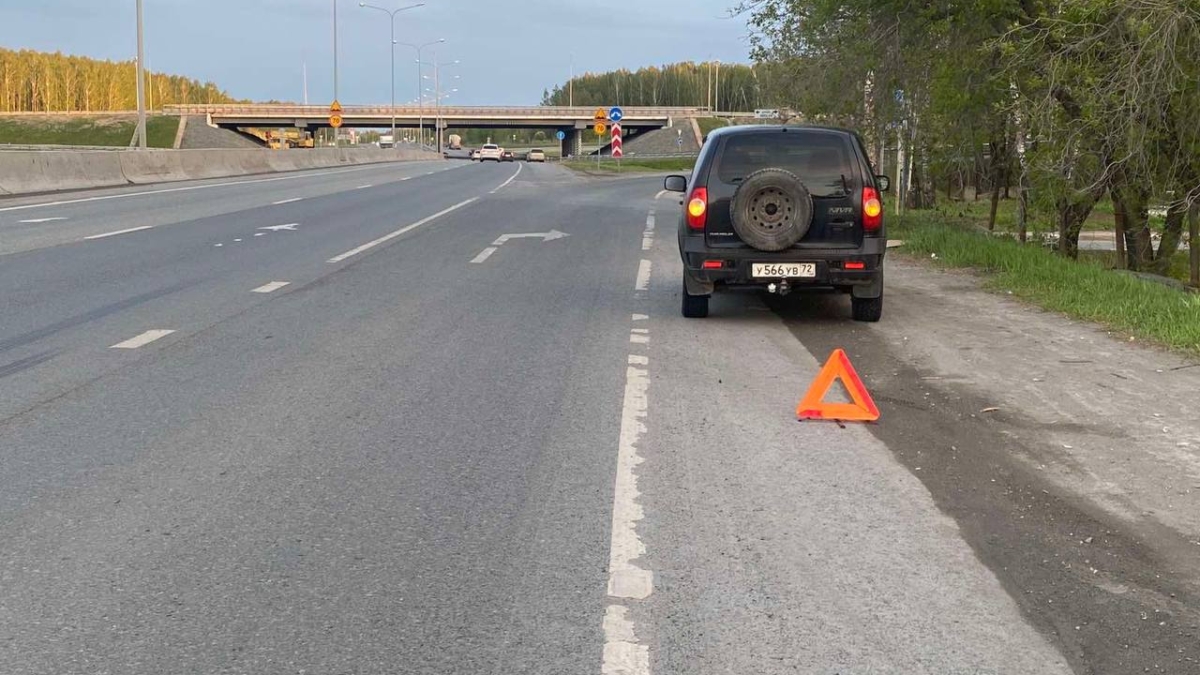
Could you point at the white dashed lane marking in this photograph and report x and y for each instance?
(127, 231)
(271, 287)
(142, 340)
(287, 201)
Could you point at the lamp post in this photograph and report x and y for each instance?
(141, 85)
(392, 13)
(420, 97)
(437, 129)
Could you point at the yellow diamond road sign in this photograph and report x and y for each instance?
(600, 128)
(335, 121)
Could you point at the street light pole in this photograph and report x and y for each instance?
(392, 14)
(437, 100)
(335, 52)
(141, 85)
(420, 96)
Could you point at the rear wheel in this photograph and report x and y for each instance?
(693, 306)
(867, 309)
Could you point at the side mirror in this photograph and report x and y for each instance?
(675, 184)
(883, 182)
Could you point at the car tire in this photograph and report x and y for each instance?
(868, 310)
(693, 306)
(771, 209)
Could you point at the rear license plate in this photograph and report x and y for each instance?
(783, 270)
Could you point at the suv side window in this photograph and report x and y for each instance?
(821, 160)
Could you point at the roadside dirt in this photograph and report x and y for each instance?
(1069, 458)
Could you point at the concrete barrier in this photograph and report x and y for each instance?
(25, 172)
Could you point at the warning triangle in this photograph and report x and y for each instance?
(812, 407)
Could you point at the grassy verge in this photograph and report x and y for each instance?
(107, 130)
(707, 124)
(648, 165)
(1083, 290)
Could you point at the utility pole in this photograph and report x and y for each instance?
(304, 66)
(141, 84)
(571, 85)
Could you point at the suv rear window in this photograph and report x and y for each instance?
(491, 147)
(821, 160)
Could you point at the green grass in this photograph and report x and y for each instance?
(1083, 290)
(707, 124)
(648, 165)
(108, 130)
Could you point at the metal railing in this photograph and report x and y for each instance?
(532, 112)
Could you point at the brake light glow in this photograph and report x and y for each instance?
(872, 210)
(697, 209)
(713, 264)
(854, 265)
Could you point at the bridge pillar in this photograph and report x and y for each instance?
(572, 145)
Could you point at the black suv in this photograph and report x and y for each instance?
(782, 208)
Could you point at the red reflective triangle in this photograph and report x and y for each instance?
(813, 407)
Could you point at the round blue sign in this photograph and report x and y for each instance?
(561, 135)
(616, 114)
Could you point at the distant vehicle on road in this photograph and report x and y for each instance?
(535, 155)
(455, 142)
(782, 208)
(490, 152)
(475, 155)
(506, 156)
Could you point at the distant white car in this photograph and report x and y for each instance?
(491, 152)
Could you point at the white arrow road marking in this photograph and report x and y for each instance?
(544, 236)
(113, 234)
(271, 287)
(142, 340)
(41, 220)
(484, 255)
(290, 227)
(504, 239)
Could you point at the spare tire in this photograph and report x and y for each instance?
(771, 210)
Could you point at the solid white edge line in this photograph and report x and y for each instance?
(271, 287)
(511, 179)
(484, 255)
(388, 237)
(187, 188)
(113, 234)
(142, 340)
(286, 201)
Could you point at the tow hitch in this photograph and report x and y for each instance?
(781, 288)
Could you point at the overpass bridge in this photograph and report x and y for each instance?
(570, 120)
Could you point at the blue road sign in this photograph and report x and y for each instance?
(561, 135)
(616, 114)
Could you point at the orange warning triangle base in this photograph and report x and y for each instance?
(812, 407)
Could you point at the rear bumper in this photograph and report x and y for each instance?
(831, 269)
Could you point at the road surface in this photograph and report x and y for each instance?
(445, 418)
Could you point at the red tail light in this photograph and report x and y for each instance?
(854, 265)
(697, 209)
(713, 264)
(872, 210)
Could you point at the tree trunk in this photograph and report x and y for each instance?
(1172, 235)
(995, 205)
(1071, 216)
(1120, 225)
(1134, 200)
(1194, 242)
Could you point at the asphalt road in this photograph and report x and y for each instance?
(339, 422)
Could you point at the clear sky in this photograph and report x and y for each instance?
(510, 50)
